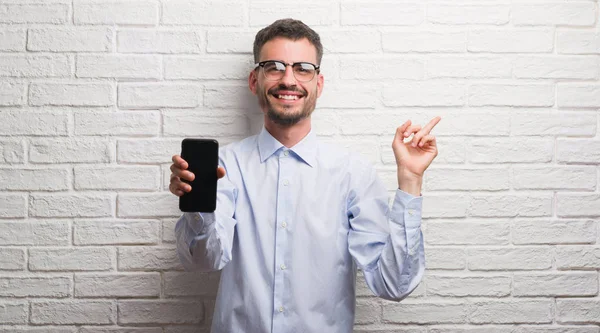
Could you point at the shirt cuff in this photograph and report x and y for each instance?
(410, 207)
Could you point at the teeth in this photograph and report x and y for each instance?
(288, 97)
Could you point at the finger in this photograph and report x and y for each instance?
(181, 186)
(431, 124)
(175, 190)
(427, 140)
(220, 172)
(400, 131)
(412, 129)
(180, 162)
(183, 174)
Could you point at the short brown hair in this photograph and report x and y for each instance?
(287, 28)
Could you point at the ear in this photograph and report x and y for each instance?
(320, 84)
(252, 81)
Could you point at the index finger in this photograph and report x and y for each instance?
(431, 124)
(180, 162)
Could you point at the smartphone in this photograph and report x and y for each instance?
(202, 156)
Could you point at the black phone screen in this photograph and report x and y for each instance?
(202, 156)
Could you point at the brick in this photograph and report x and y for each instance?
(349, 96)
(117, 123)
(12, 259)
(378, 68)
(351, 41)
(474, 285)
(191, 124)
(117, 178)
(562, 284)
(204, 12)
(79, 150)
(559, 178)
(415, 40)
(362, 145)
(443, 205)
(511, 205)
(424, 94)
(578, 95)
(553, 123)
(115, 232)
(117, 285)
(147, 151)
(195, 68)
(577, 42)
(119, 66)
(70, 39)
(219, 96)
(53, 13)
(469, 67)
(445, 258)
(577, 257)
(160, 312)
(159, 41)
(13, 39)
(515, 329)
(577, 204)
(35, 233)
(116, 12)
(229, 41)
(511, 40)
(557, 67)
(510, 150)
(12, 151)
(468, 14)
(14, 312)
(31, 66)
(509, 259)
(72, 94)
(451, 151)
(21, 286)
(181, 284)
(554, 232)
(577, 311)
(73, 259)
(327, 123)
(96, 329)
(511, 312)
(162, 204)
(46, 329)
(467, 233)
(368, 311)
(146, 258)
(313, 13)
(33, 123)
(73, 312)
(12, 94)
(71, 205)
(168, 230)
(381, 13)
(34, 179)
(466, 179)
(12, 205)
(438, 312)
(511, 95)
(564, 14)
(157, 95)
(578, 151)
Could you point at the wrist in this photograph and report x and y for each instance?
(410, 183)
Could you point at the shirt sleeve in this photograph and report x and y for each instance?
(205, 240)
(387, 244)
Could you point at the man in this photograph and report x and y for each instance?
(295, 217)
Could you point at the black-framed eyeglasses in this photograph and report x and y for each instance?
(274, 70)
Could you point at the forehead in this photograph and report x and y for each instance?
(288, 50)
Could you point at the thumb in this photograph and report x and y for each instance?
(220, 172)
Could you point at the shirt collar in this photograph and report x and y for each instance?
(306, 149)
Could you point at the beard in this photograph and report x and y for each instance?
(285, 115)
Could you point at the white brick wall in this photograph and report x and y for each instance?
(96, 95)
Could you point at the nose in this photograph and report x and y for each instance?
(288, 76)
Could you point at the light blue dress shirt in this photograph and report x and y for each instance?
(290, 229)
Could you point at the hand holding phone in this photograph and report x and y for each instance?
(194, 175)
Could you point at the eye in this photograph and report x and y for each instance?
(272, 66)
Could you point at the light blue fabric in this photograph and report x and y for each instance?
(290, 229)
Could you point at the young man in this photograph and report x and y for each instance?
(295, 217)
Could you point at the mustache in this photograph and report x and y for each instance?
(279, 88)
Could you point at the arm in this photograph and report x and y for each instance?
(205, 240)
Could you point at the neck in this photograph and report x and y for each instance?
(288, 135)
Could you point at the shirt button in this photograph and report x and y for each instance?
(282, 267)
(286, 153)
(411, 212)
(283, 224)
(281, 309)
(286, 182)
(197, 217)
